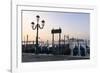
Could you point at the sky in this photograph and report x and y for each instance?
(75, 25)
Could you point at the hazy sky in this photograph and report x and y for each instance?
(73, 24)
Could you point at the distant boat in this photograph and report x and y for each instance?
(82, 51)
(75, 51)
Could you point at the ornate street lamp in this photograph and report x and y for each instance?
(37, 26)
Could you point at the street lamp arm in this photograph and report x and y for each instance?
(41, 27)
(34, 27)
(43, 22)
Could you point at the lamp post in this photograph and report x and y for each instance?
(37, 26)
